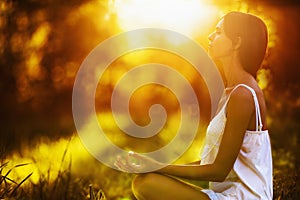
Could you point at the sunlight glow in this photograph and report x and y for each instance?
(33, 65)
(263, 78)
(185, 16)
(40, 36)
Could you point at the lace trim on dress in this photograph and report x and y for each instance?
(216, 127)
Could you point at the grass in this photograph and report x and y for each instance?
(64, 187)
(108, 184)
(64, 184)
(9, 187)
(286, 185)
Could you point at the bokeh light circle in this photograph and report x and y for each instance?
(83, 99)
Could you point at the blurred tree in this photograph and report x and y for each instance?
(42, 44)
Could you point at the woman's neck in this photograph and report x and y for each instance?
(234, 73)
(235, 77)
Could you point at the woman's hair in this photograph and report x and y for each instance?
(254, 38)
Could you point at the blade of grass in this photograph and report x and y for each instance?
(61, 166)
(3, 165)
(16, 166)
(6, 178)
(92, 195)
(27, 177)
(20, 165)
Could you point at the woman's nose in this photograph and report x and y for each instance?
(211, 36)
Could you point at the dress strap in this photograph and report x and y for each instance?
(258, 120)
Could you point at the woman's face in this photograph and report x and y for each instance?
(220, 46)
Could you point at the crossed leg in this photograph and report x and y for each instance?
(154, 186)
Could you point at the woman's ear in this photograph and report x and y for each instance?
(237, 43)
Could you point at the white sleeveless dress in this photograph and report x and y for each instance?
(251, 176)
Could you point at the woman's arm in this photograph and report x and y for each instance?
(194, 172)
(240, 109)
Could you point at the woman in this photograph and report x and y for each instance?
(237, 155)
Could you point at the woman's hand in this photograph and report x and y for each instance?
(137, 163)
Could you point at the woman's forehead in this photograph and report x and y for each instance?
(220, 24)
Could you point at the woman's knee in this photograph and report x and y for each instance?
(143, 180)
(144, 183)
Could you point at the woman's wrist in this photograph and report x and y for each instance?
(163, 169)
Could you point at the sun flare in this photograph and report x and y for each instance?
(185, 16)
